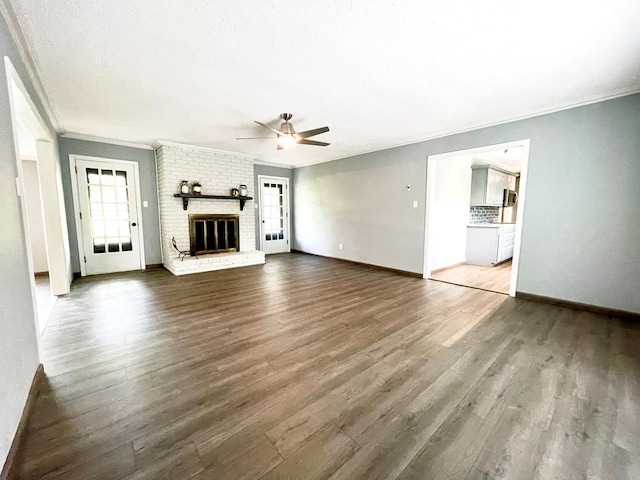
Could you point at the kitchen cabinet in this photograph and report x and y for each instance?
(488, 185)
(489, 243)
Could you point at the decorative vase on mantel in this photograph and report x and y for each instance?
(184, 187)
(197, 188)
(244, 191)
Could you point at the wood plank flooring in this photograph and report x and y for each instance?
(495, 279)
(312, 368)
(44, 298)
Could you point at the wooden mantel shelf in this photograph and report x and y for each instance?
(186, 196)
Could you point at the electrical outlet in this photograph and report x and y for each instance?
(340, 246)
(415, 204)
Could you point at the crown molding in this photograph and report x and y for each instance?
(111, 141)
(273, 164)
(479, 126)
(25, 47)
(163, 143)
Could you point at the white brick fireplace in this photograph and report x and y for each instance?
(218, 172)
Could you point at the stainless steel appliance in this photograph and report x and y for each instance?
(509, 198)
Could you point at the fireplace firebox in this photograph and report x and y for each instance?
(214, 233)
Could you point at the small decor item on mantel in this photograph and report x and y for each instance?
(196, 187)
(184, 186)
(235, 192)
(244, 191)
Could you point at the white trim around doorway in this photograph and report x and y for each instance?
(26, 115)
(429, 202)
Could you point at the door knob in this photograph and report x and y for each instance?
(133, 224)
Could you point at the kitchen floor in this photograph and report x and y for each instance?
(494, 279)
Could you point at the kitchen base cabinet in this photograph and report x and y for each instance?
(489, 244)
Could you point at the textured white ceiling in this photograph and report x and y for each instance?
(378, 73)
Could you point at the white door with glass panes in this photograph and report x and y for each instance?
(274, 214)
(106, 200)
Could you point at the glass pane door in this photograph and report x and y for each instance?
(274, 211)
(108, 211)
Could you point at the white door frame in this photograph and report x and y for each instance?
(430, 193)
(26, 114)
(76, 205)
(284, 180)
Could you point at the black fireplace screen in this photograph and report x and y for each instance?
(214, 233)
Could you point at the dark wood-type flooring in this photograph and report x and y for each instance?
(44, 299)
(311, 368)
(495, 279)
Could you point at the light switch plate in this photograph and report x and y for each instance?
(145, 204)
(415, 204)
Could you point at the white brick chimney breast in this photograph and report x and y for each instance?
(218, 172)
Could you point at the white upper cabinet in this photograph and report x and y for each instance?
(488, 185)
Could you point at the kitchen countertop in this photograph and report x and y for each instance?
(489, 225)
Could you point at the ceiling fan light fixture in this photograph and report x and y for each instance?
(286, 140)
(287, 135)
(287, 128)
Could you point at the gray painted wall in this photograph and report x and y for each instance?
(148, 190)
(18, 337)
(581, 227)
(274, 172)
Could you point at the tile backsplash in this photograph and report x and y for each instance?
(484, 214)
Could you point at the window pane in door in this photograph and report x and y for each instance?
(96, 211)
(108, 194)
(97, 228)
(110, 213)
(93, 178)
(121, 195)
(121, 178)
(113, 244)
(106, 177)
(95, 195)
(99, 245)
(124, 228)
(126, 244)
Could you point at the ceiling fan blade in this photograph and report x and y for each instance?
(304, 141)
(270, 128)
(252, 138)
(310, 133)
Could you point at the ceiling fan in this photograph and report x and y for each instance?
(287, 135)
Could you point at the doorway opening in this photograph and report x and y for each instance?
(474, 214)
(39, 185)
(34, 213)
